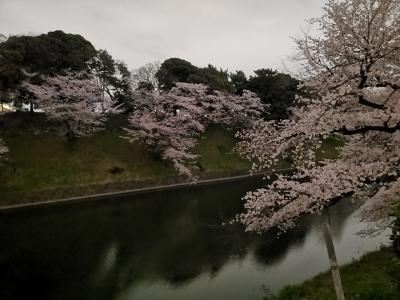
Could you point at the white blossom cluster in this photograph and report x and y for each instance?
(69, 100)
(351, 75)
(171, 122)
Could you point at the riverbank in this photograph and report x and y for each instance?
(46, 167)
(179, 182)
(373, 277)
(43, 167)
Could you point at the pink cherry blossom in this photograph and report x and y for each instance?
(69, 100)
(351, 70)
(171, 122)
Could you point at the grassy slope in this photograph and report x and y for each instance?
(40, 163)
(216, 151)
(47, 162)
(370, 278)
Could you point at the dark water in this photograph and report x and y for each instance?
(166, 245)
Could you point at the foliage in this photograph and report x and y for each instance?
(178, 70)
(239, 81)
(70, 101)
(353, 67)
(171, 122)
(58, 53)
(274, 88)
(369, 278)
(10, 74)
(217, 79)
(49, 54)
(174, 70)
(113, 76)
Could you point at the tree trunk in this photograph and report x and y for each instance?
(70, 134)
(337, 281)
(1, 100)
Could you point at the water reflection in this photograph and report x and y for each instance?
(168, 245)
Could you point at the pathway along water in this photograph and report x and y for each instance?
(164, 245)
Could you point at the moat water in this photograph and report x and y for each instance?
(165, 245)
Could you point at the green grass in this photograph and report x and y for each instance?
(329, 148)
(370, 278)
(216, 151)
(39, 165)
(46, 162)
(37, 162)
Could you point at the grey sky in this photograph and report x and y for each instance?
(233, 34)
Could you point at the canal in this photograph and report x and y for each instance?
(175, 244)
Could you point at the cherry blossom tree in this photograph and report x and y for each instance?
(171, 122)
(350, 67)
(70, 101)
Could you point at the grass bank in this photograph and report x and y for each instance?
(373, 277)
(42, 167)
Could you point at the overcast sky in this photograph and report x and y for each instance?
(232, 34)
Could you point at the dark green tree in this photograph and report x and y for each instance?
(178, 70)
(239, 81)
(218, 79)
(10, 74)
(274, 88)
(46, 54)
(49, 53)
(113, 75)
